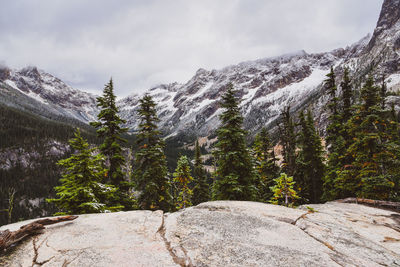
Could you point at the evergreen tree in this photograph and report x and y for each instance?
(182, 178)
(336, 132)
(347, 96)
(288, 142)
(344, 139)
(367, 176)
(151, 175)
(284, 193)
(109, 128)
(333, 129)
(310, 161)
(235, 176)
(382, 93)
(393, 147)
(265, 164)
(81, 190)
(201, 190)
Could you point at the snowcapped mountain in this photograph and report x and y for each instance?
(264, 86)
(40, 92)
(382, 53)
(267, 85)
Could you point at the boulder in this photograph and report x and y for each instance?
(220, 233)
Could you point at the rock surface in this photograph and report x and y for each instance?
(222, 233)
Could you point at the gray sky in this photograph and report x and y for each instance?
(147, 42)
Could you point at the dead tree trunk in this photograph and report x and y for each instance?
(9, 238)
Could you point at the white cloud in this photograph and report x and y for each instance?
(142, 43)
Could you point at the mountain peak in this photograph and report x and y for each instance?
(4, 73)
(31, 72)
(388, 18)
(389, 15)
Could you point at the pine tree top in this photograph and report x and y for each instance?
(369, 93)
(231, 116)
(148, 129)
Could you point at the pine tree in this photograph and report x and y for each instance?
(288, 142)
(333, 128)
(81, 190)
(235, 176)
(284, 193)
(151, 175)
(367, 175)
(347, 96)
(382, 93)
(337, 135)
(265, 164)
(393, 147)
(310, 161)
(182, 178)
(201, 190)
(344, 139)
(109, 128)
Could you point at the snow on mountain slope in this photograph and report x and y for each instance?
(51, 92)
(265, 86)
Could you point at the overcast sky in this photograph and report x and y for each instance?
(147, 42)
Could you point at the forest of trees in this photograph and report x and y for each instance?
(358, 156)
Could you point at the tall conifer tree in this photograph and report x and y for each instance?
(335, 142)
(347, 96)
(265, 164)
(334, 126)
(288, 142)
(235, 176)
(393, 147)
(382, 93)
(310, 161)
(109, 127)
(367, 175)
(151, 175)
(201, 190)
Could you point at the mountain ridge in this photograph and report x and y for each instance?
(264, 86)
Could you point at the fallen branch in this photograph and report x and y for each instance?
(9, 238)
(393, 206)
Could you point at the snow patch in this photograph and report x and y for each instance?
(11, 83)
(293, 91)
(393, 81)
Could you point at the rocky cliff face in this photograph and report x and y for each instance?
(222, 233)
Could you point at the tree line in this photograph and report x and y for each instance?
(360, 158)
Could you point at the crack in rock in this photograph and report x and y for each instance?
(184, 262)
(36, 253)
(337, 256)
(66, 262)
(326, 244)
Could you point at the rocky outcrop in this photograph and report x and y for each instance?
(222, 233)
(389, 16)
(4, 73)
